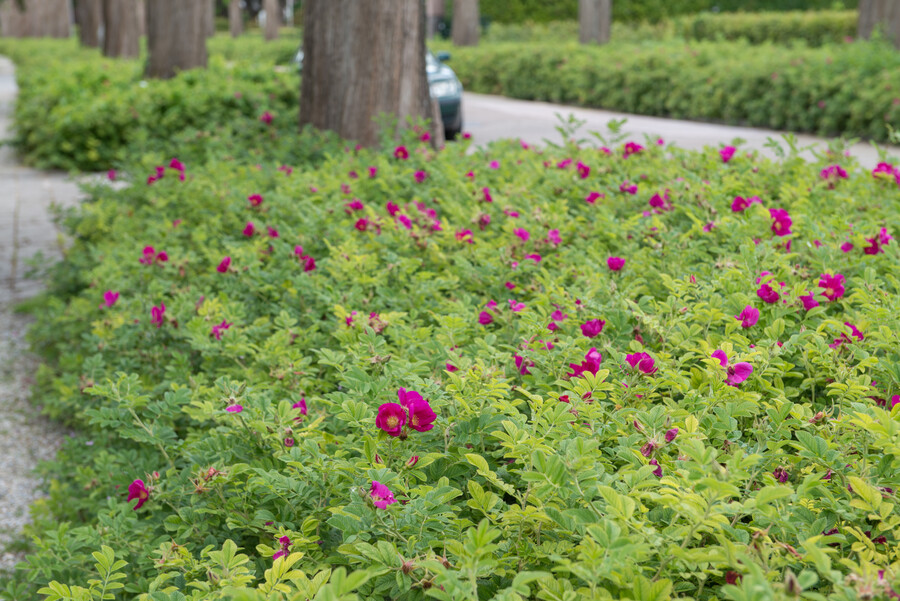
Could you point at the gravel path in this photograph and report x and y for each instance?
(26, 229)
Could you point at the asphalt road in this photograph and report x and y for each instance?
(490, 118)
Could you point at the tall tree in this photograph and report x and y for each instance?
(362, 60)
(176, 36)
(210, 18)
(235, 18)
(594, 21)
(40, 18)
(434, 12)
(121, 38)
(466, 23)
(273, 18)
(879, 13)
(88, 15)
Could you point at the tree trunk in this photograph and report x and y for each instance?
(142, 17)
(235, 18)
(210, 18)
(121, 37)
(884, 14)
(273, 18)
(466, 24)
(41, 18)
(594, 21)
(88, 15)
(434, 12)
(363, 59)
(176, 36)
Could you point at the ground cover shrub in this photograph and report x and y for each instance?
(849, 89)
(584, 372)
(814, 28)
(79, 111)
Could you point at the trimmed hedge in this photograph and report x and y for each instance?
(79, 111)
(849, 89)
(542, 11)
(788, 28)
(812, 28)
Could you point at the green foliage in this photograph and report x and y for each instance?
(847, 89)
(78, 111)
(812, 28)
(531, 485)
(543, 11)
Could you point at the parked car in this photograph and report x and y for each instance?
(443, 84)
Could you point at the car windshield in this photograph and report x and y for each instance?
(432, 64)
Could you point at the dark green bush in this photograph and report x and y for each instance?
(847, 89)
(79, 111)
(810, 27)
(542, 11)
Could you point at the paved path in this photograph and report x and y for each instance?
(25, 230)
(491, 118)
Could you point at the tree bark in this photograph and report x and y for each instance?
(235, 18)
(122, 36)
(176, 36)
(362, 60)
(273, 18)
(142, 17)
(879, 13)
(210, 18)
(594, 21)
(466, 23)
(41, 18)
(88, 15)
(434, 12)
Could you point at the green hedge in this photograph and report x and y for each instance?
(848, 89)
(813, 28)
(788, 28)
(542, 11)
(79, 111)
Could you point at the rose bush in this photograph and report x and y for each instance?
(515, 378)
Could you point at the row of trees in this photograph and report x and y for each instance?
(387, 36)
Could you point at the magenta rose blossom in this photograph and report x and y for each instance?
(381, 495)
(809, 301)
(138, 490)
(615, 263)
(832, 285)
(421, 415)
(391, 418)
(249, 229)
(671, 434)
(726, 153)
(591, 363)
(642, 362)
(255, 200)
(781, 222)
(156, 314)
(407, 397)
(224, 265)
(737, 372)
(748, 317)
(522, 365)
(110, 298)
(592, 327)
(401, 153)
(768, 294)
(234, 408)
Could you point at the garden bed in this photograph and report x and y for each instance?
(625, 371)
